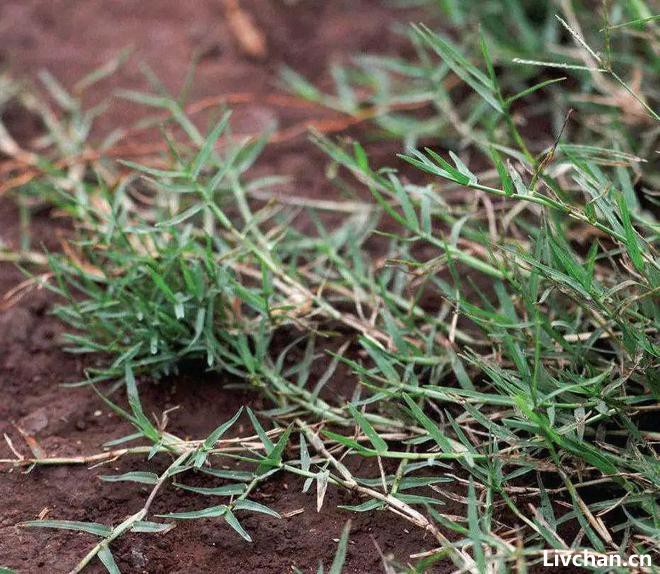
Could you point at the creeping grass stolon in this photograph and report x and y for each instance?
(505, 344)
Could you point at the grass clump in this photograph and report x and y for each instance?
(154, 280)
(508, 337)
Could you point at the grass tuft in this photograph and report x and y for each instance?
(504, 340)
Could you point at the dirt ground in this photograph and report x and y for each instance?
(70, 39)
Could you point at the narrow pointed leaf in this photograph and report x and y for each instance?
(245, 504)
(152, 527)
(141, 477)
(236, 525)
(268, 444)
(210, 512)
(214, 437)
(379, 444)
(108, 560)
(89, 527)
(340, 556)
(226, 490)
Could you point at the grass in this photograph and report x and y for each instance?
(507, 342)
